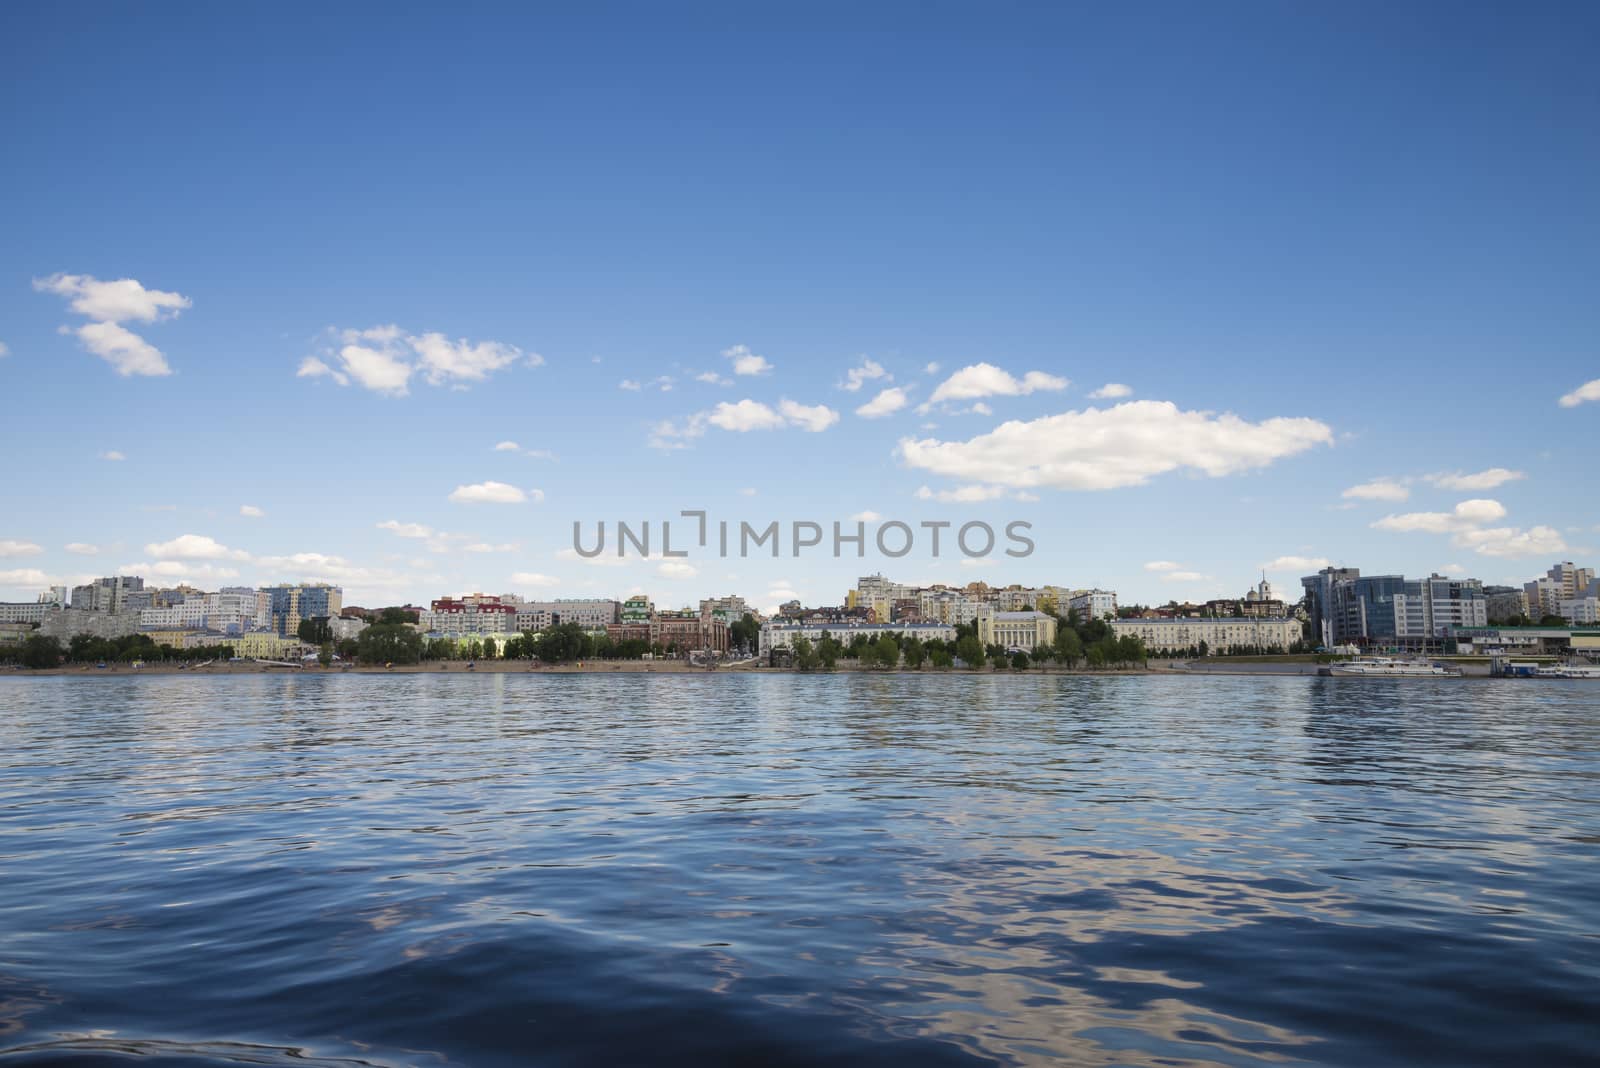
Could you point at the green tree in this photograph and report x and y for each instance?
(970, 650)
(941, 659)
(40, 651)
(914, 652)
(490, 648)
(805, 654)
(885, 652)
(325, 654)
(1019, 660)
(829, 649)
(314, 631)
(397, 615)
(389, 643)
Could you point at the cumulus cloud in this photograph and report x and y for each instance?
(887, 402)
(491, 493)
(676, 569)
(713, 378)
(406, 530)
(82, 548)
(1512, 541)
(13, 547)
(869, 516)
(112, 455)
(489, 547)
(869, 371)
(741, 417)
(1473, 513)
(632, 385)
(1482, 480)
(744, 416)
(1589, 391)
(1381, 489)
(1125, 445)
(24, 576)
(250, 511)
(1300, 564)
(180, 570)
(383, 359)
(1163, 565)
(987, 380)
(534, 578)
(110, 304)
(931, 368)
(814, 418)
(1184, 576)
(962, 494)
(1467, 525)
(747, 491)
(194, 547)
(1112, 391)
(508, 446)
(746, 362)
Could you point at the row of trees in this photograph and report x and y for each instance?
(1102, 649)
(43, 651)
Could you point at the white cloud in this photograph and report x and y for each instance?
(24, 576)
(869, 371)
(81, 548)
(124, 350)
(747, 491)
(1512, 541)
(489, 493)
(1381, 489)
(962, 494)
(746, 362)
(608, 558)
(713, 378)
(13, 547)
(1482, 480)
(1184, 576)
(487, 547)
(1109, 448)
(869, 516)
(180, 570)
(1163, 565)
(979, 408)
(814, 419)
(406, 530)
(109, 304)
(508, 446)
(113, 302)
(534, 578)
(931, 368)
(1467, 514)
(250, 511)
(113, 455)
(1589, 391)
(987, 380)
(1112, 391)
(1452, 569)
(743, 416)
(194, 547)
(1299, 564)
(885, 403)
(5, 350)
(632, 385)
(383, 359)
(676, 569)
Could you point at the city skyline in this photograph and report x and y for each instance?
(921, 272)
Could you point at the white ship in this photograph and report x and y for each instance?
(1383, 667)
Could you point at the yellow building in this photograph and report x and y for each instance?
(264, 645)
(1016, 630)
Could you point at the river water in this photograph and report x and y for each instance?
(897, 869)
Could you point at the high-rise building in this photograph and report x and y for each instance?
(1347, 607)
(118, 593)
(289, 604)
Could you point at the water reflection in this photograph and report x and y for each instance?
(1017, 870)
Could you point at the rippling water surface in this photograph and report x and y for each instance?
(915, 870)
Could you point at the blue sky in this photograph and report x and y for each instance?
(1322, 248)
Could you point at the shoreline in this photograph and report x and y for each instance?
(676, 667)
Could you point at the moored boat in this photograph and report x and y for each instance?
(1383, 667)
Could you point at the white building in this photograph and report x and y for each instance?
(342, 628)
(24, 611)
(1093, 604)
(1016, 630)
(730, 609)
(783, 635)
(230, 612)
(948, 606)
(1581, 610)
(588, 613)
(1219, 635)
